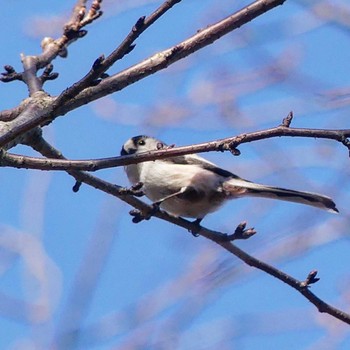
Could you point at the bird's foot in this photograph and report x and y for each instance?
(155, 209)
(197, 227)
(134, 190)
(139, 216)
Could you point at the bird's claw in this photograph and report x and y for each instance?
(195, 230)
(139, 216)
(134, 190)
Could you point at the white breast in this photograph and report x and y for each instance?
(162, 179)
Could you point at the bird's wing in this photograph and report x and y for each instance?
(194, 159)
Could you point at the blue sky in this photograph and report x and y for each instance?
(81, 259)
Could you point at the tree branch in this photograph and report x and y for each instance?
(8, 115)
(131, 75)
(31, 110)
(53, 48)
(10, 74)
(41, 109)
(72, 31)
(162, 60)
(300, 286)
(102, 64)
(227, 144)
(222, 239)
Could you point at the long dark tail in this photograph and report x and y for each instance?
(240, 188)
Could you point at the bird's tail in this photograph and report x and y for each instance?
(240, 188)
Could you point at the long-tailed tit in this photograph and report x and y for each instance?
(191, 186)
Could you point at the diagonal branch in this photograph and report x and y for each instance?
(219, 238)
(42, 146)
(53, 48)
(227, 144)
(102, 64)
(300, 286)
(169, 56)
(72, 31)
(8, 115)
(30, 111)
(135, 73)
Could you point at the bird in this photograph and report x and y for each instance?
(191, 186)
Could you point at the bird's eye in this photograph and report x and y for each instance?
(141, 142)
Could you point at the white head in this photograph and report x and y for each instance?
(141, 143)
(135, 145)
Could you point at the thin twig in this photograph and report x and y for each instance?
(53, 48)
(163, 59)
(226, 144)
(10, 74)
(72, 31)
(102, 64)
(131, 75)
(291, 281)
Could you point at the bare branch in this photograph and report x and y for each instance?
(287, 120)
(10, 75)
(29, 75)
(40, 111)
(7, 115)
(71, 32)
(53, 48)
(228, 144)
(33, 109)
(167, 57)
(310, 279)
(291, 281)
(42, 146)
(219, 238)
(128, 76)
(241, 232)
(102, 64)
(48, 74)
